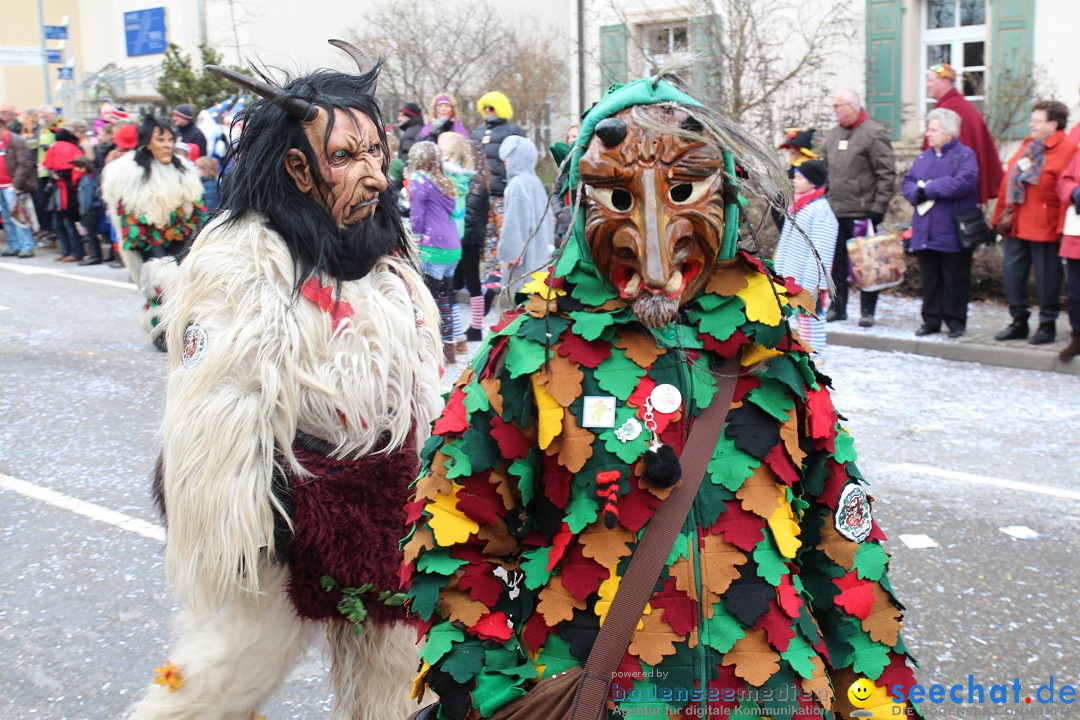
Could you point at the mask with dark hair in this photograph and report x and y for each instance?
(155, 145)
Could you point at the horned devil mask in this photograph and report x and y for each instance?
(656, 217)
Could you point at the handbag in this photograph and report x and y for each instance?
(971, 228)
(1004, 225)
(877, 261)
(582, 693)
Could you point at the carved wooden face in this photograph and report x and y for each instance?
(655, 219)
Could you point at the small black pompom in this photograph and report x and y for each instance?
(662, 469)
(611, 131)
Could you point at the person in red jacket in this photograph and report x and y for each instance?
(1033, 234)
(940, 81)
(1069, 192)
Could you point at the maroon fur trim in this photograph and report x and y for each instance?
(348, 520)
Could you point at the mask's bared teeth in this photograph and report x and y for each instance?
(632, 287)
(674, 284)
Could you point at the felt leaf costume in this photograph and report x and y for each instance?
(765, 605)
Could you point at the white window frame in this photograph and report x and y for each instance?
(670, 25)
(955, 36)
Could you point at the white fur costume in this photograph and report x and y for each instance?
(154, 198)
(273, 365)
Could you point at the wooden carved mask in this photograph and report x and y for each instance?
(655, 220)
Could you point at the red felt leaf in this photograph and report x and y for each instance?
(454, 420)
(896, 672)
(791, 286)
(511, 441)
(856, 595)
(471, 555)
(479, 500)
(724, 691)
(481, 584)
(535, 632)
(778, 460)
(744, 385)
(414, 510)
(671, 432)
(834, 485)
(493, 626)
(581, 576)
(741, 528)
(588, 353)
(724, 348)
(423, 627)
(556, 481)
(636, 507)
(642, 392)
(558, 546)
(788, 597)
(506, 319)
(679, 610)
(823, 417)
(777, 627)
(404, 573)
(876, 533)
(629, 671)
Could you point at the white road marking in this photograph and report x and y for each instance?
(4, 307)
(918, 542)
(81, 507)
(37, 270)
(915, 469)
(1021, 532)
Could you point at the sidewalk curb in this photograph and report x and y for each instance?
(1004, 354)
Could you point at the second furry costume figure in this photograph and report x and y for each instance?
(304, 355)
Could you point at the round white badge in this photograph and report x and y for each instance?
(666, 398)
(853, 519)
(194, 346)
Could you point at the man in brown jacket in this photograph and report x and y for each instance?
(16, 178)
(861, 181)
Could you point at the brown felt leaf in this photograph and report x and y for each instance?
(655, 640)
(435, 482)
(639, 347)
(789, 433)
(605, 546)
(421, 540)
(457, 606)
(727, 279)
(465, 378)
(643, 484)
(538, 307)
(839, 549)
(753, 658)
(719, 567)
(574, 444)
(500, 543)
(493, 389)
(556, 603)
(503, 487)
(683, 572)
(760, 493)
(804, 301)
(883, 622)
(562, 378)
(818, 684)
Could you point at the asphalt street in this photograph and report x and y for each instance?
(975, 471)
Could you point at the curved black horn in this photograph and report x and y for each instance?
(364, 62)
(299, 108)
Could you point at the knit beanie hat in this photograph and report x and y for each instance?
(814, 171)
(126, 137)
(185, 111)
(411, 109)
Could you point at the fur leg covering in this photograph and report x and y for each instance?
(372, 675)
(232, 661)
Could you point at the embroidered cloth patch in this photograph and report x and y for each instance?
(194, 346)
(853, 519)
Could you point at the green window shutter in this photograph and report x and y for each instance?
(883, 56)
(706, 34)
(612, 56)
(1011, 68)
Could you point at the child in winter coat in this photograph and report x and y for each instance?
(86, 189)
(433, 198)
(207, 168)
(812, 215)
(528, 232)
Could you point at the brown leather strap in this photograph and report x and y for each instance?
(650, 556)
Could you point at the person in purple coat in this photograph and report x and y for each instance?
(942, 183)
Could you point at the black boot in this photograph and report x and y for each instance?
(92, 251)
(1044, 335)
(1072, 349)
(1017, 330)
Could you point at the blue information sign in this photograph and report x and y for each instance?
(145, 32)
(65, 73)
(56, 32)
(55, 57)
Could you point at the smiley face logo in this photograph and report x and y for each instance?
(861, 693)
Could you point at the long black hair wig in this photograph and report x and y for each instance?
(143, 157)
(256, 180)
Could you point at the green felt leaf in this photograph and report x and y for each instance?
(703, 385)
(482, 448)
(730, 466)
(870, 658)
(424, 593)
(457, 463)
(785, 369)
(815, 473)
(438, 561)
(512, 327)
(493, 692)
(780, 696)
(722, 321)
(767, 335)
(677, 335)
(581, 510)
(870, 561)
(747, 710)
(534, 566)
(524, 357)
(480, 359)
(710, 502)
(545, 331)
(441, 638)
(555, 656)
(643, 701)
(770, 563)
(722, 630)
(772, 397)
(517, 397)
(588, 290)
(525, 471)
(680, 549)
(618, 375)
(806, 369)
(798, 655)
(710, 301)
(476, 399)
(629, 451)
(463, 661)
(845, 448)
(590, 325)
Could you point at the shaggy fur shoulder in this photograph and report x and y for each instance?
(155, 197)
(274, 363)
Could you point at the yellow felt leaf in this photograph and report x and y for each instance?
(549, 413)
(420, 681)
(754, 353)
(759, 296)
(784, 528)
(449, 524)
(556, 603)
(538, 284)
(607, 591)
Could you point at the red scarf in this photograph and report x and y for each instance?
(859, 121)
(805, 199)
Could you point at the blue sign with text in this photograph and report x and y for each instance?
(54, 57)
(145, 32)
(56, 32)
(65, 73)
